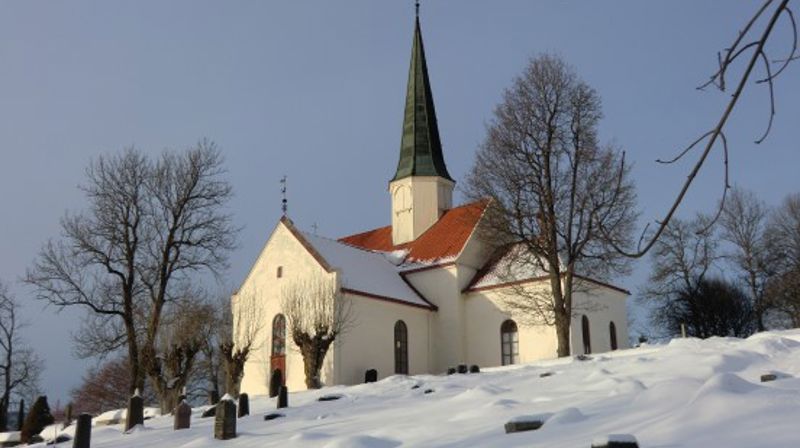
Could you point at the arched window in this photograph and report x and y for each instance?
(587, 338)
(279, 335)
(400, 348)
(509, 342)
(612, 332)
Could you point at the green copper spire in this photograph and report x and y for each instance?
(420, 147)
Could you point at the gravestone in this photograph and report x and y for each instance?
(416, 386)
(462, 368)
(371, 376)
(329, 397)
(524, 423)
(213, 397)
(275, 382)
(182, 416)
(244, 405)
(545, 374)
(273, 416)
(615, 441)
(283, 397)
(427, 391)
(21, 415)
(210, 412)
(474, 369)
(451, 370)
(68, 415)
(768, 377)
(135, 415)
(225, 419)
(83, 431)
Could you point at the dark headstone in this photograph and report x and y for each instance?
(244, 405)
(68, 415)
(474, 369)
(21, 415)
(523, 424)
(275, 382)
(371, 376)
(428, 391)
(213, 397)
(616, 441)
(273, 416)
(329, 397)
(768, 377)
(451, 370)
(225, 419)
(61, 438)
(135, 414)
(545, 374)
(182, 416)
(462, 368)
(283, 397)
(83, 431)
(416, 386)
(210, 412)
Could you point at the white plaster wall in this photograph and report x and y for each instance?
(601, 305)
(369, 343)
(441, 287)
(262, 284)
(486, 312)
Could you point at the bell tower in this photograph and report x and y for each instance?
(422, 189)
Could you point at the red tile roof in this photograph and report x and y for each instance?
(443, 240)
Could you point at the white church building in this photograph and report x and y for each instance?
(425, 292)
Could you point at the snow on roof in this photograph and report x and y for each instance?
(512, 265)
(368, 272)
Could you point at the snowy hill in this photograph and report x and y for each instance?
(688, 393)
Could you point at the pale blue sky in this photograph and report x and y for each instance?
(315, 90)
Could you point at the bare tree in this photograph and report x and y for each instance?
(751, 44)
(149, 229)
(105, 387)
(317, 313)
(712, 307)
(783, 242)
(743, 221)
(554, 187)
(19, 364)
(682, 258)
(241, 324)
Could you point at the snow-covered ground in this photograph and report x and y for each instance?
(688, 393)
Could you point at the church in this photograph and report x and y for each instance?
(425, 292)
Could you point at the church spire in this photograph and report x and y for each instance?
(420, 147)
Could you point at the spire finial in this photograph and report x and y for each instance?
(283, 194)
(416, 6)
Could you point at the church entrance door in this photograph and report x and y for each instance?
(278, 359)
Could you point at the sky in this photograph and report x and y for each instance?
(314, 90)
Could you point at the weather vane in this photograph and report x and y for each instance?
(283, 194)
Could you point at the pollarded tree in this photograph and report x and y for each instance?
(564, 200)
(240, 325)
(317, 313)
